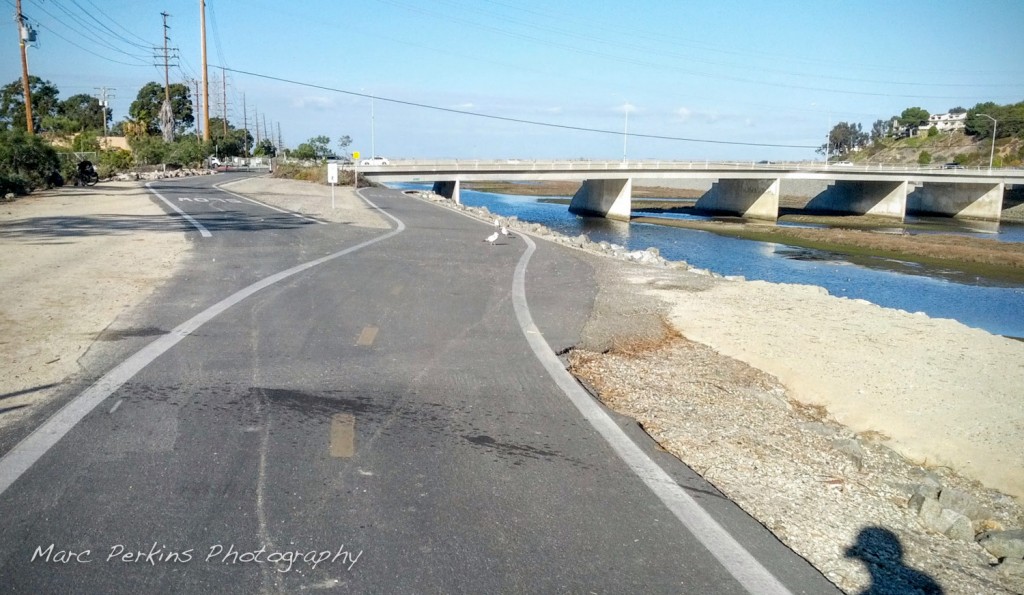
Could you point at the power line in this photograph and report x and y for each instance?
(513, 120)
(146, 43)
(83, 28)
(575, 48)
(89, 14)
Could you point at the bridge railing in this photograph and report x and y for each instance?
(585, 165)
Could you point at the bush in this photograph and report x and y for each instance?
(85, 142)
(26, 162)
(187, 151)
(924, 158)
(149, 150)
(113, 161)
(933, 131)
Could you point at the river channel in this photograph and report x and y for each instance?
(977, 302)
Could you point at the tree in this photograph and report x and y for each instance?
(231, 145)
(880, 129)
(321, 146)
(77, 114)
(1010, 118)
(912, 117)
(304, 151)
(12, 103)
(265, 148)
(843, 138)
(147, 104)
(344, 142)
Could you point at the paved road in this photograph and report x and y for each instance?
(377, 422)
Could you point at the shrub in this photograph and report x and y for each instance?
(26, 162)
(924, 158)
(114, 160)
(933, 131)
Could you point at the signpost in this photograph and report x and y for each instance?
(332, 179)
(355, 174)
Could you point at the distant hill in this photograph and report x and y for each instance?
(942, 148)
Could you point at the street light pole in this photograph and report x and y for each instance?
(625, 135)
(992, 151)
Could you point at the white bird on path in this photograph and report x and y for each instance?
(490, 239)
(504, 231)
(496, 223)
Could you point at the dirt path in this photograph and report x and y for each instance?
(73, 260)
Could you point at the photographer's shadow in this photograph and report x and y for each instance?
(882, 553)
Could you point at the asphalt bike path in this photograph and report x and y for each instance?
(377, 422)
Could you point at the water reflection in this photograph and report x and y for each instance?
(976, 302)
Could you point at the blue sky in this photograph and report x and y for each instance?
(763, 72)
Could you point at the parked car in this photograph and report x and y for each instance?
(952, 165)
(375, 161)
(843, 163)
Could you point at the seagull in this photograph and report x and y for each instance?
(490, 239)
(496, 223)
(504, 231)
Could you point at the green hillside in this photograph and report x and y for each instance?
(940, 149)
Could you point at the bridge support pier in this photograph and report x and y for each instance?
(967, 201)
(883, 199)
(612, 199)
(751, 198)
(448, 189)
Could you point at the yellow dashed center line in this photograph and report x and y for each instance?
(343, 435)
(367, 336)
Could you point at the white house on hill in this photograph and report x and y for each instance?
(945, 122)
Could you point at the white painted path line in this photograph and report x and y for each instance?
(202, 230)
(25, 454)
(736, 560)
(754, 577)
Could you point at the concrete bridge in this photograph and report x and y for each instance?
(745, 189)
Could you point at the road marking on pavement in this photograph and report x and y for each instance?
(202, 230)
(263, 204)
(25, 454)
(367, 336)
(343, 435)
(736, 560)
(116, 405)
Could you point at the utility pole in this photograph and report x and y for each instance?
(265, 124)
(22, 34)
(167, 69)
(199, 136)
(103, 105)
(245, 129)
(280, 143)
(256, 119)
(224, 87)
(206, 84)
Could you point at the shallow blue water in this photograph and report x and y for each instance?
(976, 302)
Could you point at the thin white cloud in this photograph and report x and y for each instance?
(317, 103)
(467, 105)
(626, 108)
